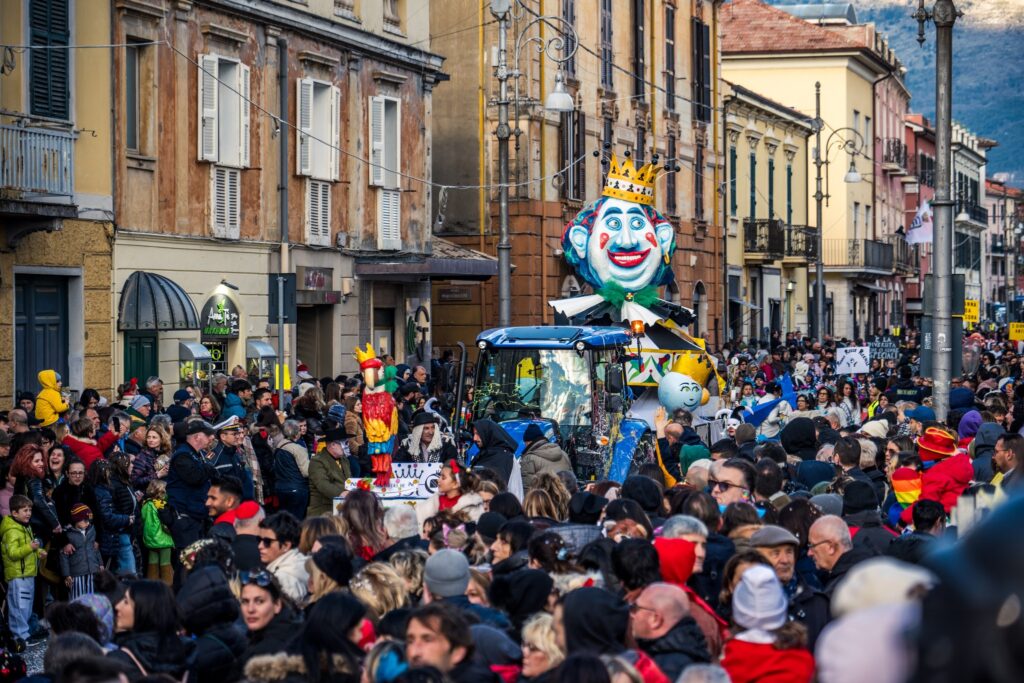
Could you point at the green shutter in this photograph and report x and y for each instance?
(771, 189)
(732, 181)
(753, 186)
(49, 93)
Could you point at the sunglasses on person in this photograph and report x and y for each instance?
(259, 578)
(723, 485)
(264, 541)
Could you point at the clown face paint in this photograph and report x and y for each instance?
(623, 247)
(680, 391)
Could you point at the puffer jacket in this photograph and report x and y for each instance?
(542, 456)
(291, 468)
(112, 516)
(50, 405)
(173, 655)
(233, 406)
(210, 613)
(682, 646)
(19, 558)
(327, 476)
(86, 559)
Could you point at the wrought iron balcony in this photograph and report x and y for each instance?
(905, 257)
(858, 255)
(974, 212)
(764, 238)
(997, 246)
(802, 243)
(894, 156)
(35, 160)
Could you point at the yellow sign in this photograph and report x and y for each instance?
(971, 311)
(1016, 331)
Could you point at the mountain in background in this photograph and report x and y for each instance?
(988, 68)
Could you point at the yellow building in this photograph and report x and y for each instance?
(644, 78)
(768, 242)
(55, 196)
(772, 52)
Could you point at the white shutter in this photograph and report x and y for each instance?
(304, 107)
(376, 140)
(243, 108)
(224, 202)
(207, 105)
(389, 231)
(335, 151)
(318, 213)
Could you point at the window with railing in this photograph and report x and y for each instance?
(607, 53)
(568, 48)
(700, 40)
(670, 58)
(966, 251)
(733, 165)
(698, 183)
(753, 185)
(638, 47)
(670, 177)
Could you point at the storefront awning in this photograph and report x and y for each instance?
(871, 288)
(745, 304)
(151, 302)
(448, 261)
(255, 348)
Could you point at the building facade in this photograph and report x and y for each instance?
(644, 78)
(235, 119)
(783, 57)
(970, 222)
(769, 244)
(56, 193)
(1005, 206)
(919, 188)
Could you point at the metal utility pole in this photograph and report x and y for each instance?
(819, 268)
(944, 15)
(504, 132)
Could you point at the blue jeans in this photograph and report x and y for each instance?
(20, 594)
(294, 502)
(122, 561)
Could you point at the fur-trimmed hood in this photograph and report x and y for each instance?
(285, 666)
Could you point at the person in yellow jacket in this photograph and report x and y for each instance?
(50, 404)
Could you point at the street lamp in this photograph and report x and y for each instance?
(853, 146)
(559, 49)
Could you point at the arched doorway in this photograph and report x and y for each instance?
(700, 310)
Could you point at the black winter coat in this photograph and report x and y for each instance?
(497, 448)
(44, 513)
(112, 513)
(679, 648)
(272, 639)
(174, 655)
(810, 607)
(210, 613)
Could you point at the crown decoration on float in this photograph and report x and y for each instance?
(367, 358)
(697, 366)
(627, 183)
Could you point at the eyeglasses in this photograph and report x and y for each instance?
(723, 485)
(264, 541)
(815, 545)
(260, 578)
(637, 608)
(76, 474)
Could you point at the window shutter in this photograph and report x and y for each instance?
(376, 140)
(49, 73)
(706, 65)
(225, 203)
(393, 144)
(389, 233)
(207, 108)
(243, 108)
(580, 169)
(304, 105)
(318, 212)
(335, 151)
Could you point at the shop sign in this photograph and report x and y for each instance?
(448, 294)
(219, 318)
(314, 279)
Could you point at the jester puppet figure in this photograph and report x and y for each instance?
(380, 417)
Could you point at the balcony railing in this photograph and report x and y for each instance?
(802, 243)
(975, 212)
(766, 237)
(904, 256)
(894, 154)
(36, 160)
(996, 245)
(860, 254)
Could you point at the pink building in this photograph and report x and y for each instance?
(919, 186)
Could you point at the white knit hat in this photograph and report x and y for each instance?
(758, 602)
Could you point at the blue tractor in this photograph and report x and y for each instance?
(572, 382)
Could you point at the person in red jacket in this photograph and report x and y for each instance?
(947, 472)
(83, 443)
(769, 648)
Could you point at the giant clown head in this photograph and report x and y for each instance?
(621, 238)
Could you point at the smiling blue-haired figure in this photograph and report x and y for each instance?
(622, 242)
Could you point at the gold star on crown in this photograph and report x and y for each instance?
(627, 183)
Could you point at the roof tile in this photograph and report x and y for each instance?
(751, 26)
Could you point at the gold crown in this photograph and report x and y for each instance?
(367, 358)
(625, 182)
(695, 365)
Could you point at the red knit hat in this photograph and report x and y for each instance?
(79, 512)
(936, 444)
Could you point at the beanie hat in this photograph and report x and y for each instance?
(446, 573)
(758, 602)
(585, 507)
(532, 433)
(876, 429)
(139, 401)
(644, 490)
(878, 581)
(829, 503)
(334, 561)
(859, 496)
(969, 424)
(79, 512)
(744, 433)
(488, 524)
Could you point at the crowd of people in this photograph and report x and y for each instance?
(849, 537)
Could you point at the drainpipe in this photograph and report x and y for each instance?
(282, 219)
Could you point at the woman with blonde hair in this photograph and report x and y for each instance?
(153, 461)
(315, 528)
(538, 506)
(553, 485)
(541, 653)
(409, 564)
(380, 588)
